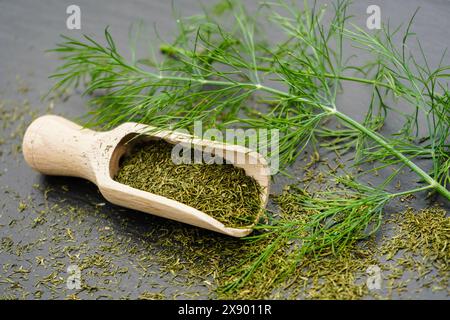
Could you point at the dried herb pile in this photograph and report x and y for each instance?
(412, 256)
(223, 70)
(222, 191)
(141, 256)
(170, 260)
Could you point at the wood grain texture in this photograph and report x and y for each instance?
(55, 146)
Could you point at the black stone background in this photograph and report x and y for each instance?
(27, 29)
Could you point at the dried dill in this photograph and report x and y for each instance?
(419, 246)
(412, 255)
(222, 191)
(151, 296)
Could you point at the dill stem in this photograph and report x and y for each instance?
(332, 111)
(169, 49)
(346, 78)
(378, 139)
(407, 192)
(383, 143)
(361, 80)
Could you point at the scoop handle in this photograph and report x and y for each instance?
(55, 146)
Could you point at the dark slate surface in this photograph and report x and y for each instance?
(27, 29)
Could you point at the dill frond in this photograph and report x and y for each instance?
(219, 65)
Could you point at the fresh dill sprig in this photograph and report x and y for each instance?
(218, 64)
(328, 220)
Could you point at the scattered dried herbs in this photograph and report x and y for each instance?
(222, 191)
(126, 256)
(236, 66)
(413, 255)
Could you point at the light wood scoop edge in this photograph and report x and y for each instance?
(56, 146)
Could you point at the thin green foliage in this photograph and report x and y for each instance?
(219, 64)
(329, 220)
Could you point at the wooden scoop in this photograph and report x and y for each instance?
(55, 146)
